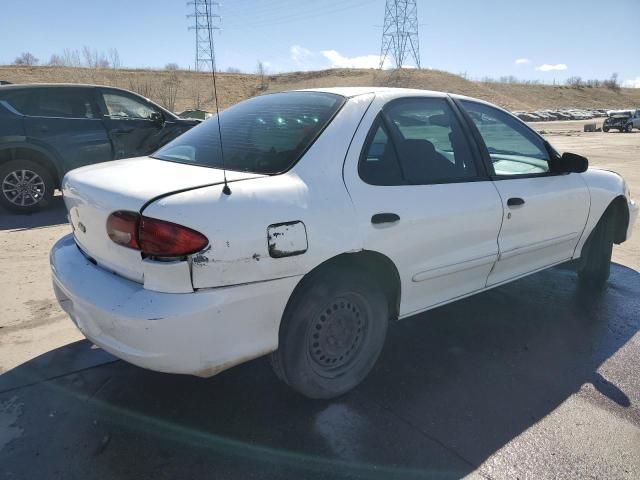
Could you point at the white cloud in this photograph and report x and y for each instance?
(338, 60)
(300, 54)
(633, 83)
(547, 67)
(522, 61)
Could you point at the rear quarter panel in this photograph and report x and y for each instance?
(237, 225)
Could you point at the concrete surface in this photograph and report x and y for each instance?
(536, 379)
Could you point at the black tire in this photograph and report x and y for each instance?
(25, 186)
(605, 129)
(596, 266)
(332, 332)
(629, 128)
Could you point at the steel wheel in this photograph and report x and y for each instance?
(336, 334)
(23, 188)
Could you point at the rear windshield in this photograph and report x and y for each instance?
(266, 134)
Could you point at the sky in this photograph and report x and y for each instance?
(546, 40)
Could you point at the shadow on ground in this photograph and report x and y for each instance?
(452, 387)
(54, 214)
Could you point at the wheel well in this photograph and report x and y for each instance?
(619, 206)
(377, 266)
(26, 153)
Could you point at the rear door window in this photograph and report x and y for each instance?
(64, 103)
(265, 134)
(420, 143)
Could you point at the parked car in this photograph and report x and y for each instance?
(623, 121)
(342, 210)
(47, 130)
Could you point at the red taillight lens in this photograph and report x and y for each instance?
(166, 239)
(154, 237)
(122, 228)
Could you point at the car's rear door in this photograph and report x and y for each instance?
(135, 126)
(544, 212)
(67, 120)
(423, 200)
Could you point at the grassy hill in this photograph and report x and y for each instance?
(181, 90)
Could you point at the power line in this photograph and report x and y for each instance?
(204, 23)
(400, 32)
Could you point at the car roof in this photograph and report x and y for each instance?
(392, 92)
(21, 86)
(356, 91)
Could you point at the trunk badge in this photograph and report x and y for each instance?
(81, 227)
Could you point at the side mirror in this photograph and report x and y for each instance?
(157, 118)
(571, 163)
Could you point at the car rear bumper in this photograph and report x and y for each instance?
(199, 333)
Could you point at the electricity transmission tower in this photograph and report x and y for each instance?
(400, 32)
(205, 21)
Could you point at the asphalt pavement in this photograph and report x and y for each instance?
(535, 379)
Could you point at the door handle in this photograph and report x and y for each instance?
(44, 128)
(379, 218)
(515, 202)
(123, 130)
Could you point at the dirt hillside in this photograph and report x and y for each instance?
(193, 89)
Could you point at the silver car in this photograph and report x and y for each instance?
(622, 120)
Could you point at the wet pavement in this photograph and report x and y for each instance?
(536, 379)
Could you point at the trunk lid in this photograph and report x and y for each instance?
(92, 193)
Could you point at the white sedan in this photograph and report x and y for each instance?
(344, 209)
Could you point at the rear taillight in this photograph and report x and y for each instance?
(122, 228)
(153, 237)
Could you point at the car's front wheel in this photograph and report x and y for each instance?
(25, 186)
(605, 129)
(332, 332)
(596, 265)
(629, 128)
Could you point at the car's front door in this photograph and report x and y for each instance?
(422, 199)
(135, 126)
(636, 119)
(544, 212)
(67, 120)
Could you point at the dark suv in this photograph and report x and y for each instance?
(47, 130)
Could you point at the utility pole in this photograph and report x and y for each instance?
(205, 21)
(400, 32)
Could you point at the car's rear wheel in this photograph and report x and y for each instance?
(596, 265)
(25, 186)
(332, 332)
(605, 129)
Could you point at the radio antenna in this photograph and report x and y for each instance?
(226, 190)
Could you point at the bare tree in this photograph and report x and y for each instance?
(90, 57)
(233, 70)
(262, 76)
(71, 58)
(114, 58)
(575, 82)
(56, 60)
(612, 83)
(169, 91)
(103, 61)
(142, 86)
(27, 59)
(172, 67)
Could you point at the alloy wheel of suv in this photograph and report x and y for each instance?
(629, 128)
(25, 186)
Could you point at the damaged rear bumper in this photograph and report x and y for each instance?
(199, 333)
